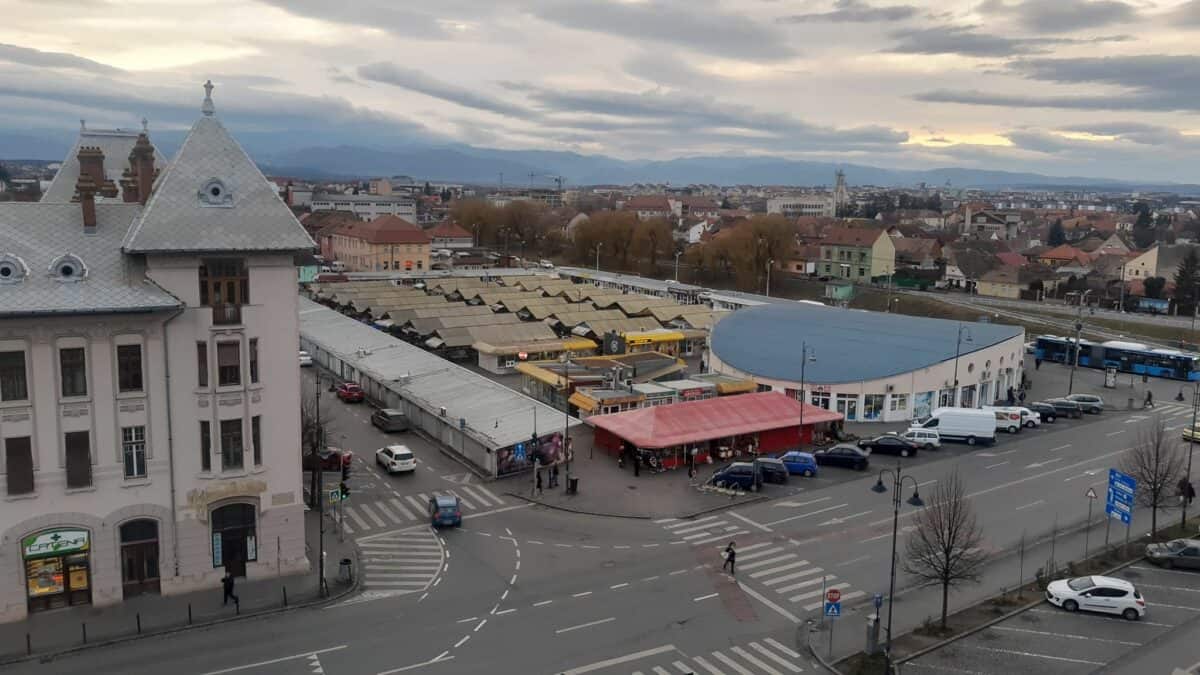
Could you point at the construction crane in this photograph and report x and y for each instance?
(558, 180)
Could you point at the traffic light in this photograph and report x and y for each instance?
(345, 489)
(345, 472)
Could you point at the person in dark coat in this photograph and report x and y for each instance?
(1149, 399)
(227, 585)
(538, 484)
(730, 558)
(1037, 364)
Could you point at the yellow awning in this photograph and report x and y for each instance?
(583, 402)
(743, 387)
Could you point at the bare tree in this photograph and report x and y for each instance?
(1157, 465)
(315, 427)
(944, 548)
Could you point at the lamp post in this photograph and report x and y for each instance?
(806, 355)
(1191, 447)
(914, 500)
(598, 255)
(1078, 335)
(957, 353)
(566, 360)
(770, 262)
(317, 469)
(677, 254)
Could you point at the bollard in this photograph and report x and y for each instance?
(285, 596)
(28, 645)
(139, 623)
(84, 626)
(189, 613)
(237, 608)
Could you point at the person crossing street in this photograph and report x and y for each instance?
(730, 559)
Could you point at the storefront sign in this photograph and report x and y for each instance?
(55, 542)
(252, 548)
(216, 539)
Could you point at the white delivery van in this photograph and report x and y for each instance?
(961, 424)
(1012, 418)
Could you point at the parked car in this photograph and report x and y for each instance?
(1097, 594)
(844, 455)
(1090, 403)
(1029, 418)
(396, 459)
(546, 264)
(305, 359)
(444, 510)
(772, 469)
(390, 419)
(961, 424)
(927, 439)
(744, 475)
(1183, 553)
(1007, 419)
(1046, 412)
(889, 445)
(1192, 433)
(1031, 347)
(1065, 407)
(799, 463)
(351, 392)
(329, 459)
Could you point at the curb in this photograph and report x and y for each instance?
(69, 651)
(816, 655)
(722, 507)
(568, 509)
(1004, 617)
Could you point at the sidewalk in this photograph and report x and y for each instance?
(65, 629)
(606, 490)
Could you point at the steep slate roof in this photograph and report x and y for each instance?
(179, 219)
(37, 234)
(116, 145)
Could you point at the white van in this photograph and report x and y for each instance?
(961, 424)
(1012, 418)
(337, 266)
(928, 439)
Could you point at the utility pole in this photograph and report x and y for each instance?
(1191, 447)
(1078, 334)
(804, 358)
(677, 254)
(318, 443)
(769, 264)
(598, 255)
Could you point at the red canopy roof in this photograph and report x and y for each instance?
(695, 421)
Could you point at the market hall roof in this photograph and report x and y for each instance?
(850, 345)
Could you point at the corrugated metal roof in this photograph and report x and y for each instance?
(575, 318)
(432, 325)
(599, 328)
(495, 415)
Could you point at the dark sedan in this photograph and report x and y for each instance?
(1183, 553)
(843, 455)
(889, 445)
(1048, 412)
(1066, 407)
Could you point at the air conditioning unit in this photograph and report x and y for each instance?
(890, 388)
(442, 411)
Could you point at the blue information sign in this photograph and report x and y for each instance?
(1121, 489)
(833, 608)
(519, 451)
(878, 600)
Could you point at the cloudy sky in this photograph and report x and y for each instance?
(1066, 87)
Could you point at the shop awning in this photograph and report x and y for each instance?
(697, 421)
(584, 403)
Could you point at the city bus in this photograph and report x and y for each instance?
(1126, 357)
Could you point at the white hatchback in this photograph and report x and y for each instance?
(396, 459)
(1097, 594)
(928, 439)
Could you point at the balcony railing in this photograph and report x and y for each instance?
(224, 315)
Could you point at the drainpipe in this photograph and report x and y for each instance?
(171, 443)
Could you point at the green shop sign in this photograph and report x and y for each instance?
(55, 542)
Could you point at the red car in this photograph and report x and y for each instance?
(329, 459)
(350, 392)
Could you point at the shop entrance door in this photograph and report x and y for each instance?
(848, 406)
(233, 552)
(139, 557)
(234, 537)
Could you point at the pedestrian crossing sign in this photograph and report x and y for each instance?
(519, 451)
(833, 609)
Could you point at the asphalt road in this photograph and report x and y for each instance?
(523, 589)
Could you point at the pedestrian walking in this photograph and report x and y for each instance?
(1037, 364)
(554, 476)
(1021, 396)
(538, 485)
(1149, 399)
(227, 585)
(1190, 494)
(730, 558)
(1012, 398)
(637, 463)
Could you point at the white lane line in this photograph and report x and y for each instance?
(660, 521)
(1169, 588)
(768, 561)
(542, 603)
(841, 519)
(1031, 505)
(762, 665)
(851, 561)
(731, 663)
(462, 641)
(469, 619)
(493, 512)
(799, 504)
(808, 515)
(719, 537)
(600, 665)
(775, 657)
(281, 659)
(505, 611)
(705, 597)
(438, 659)
(589, 624)
(686, 523)
(794, 575)
(928, 482)
(698, 535)
(1061, 447)
(746, 520)
(616, 586)
(1035, 655)
(1115, 433)
(769, 603)
(481, 623)
(781, 568)
(876, 538)
(992, 466)
(583, 594)
(1069, 636)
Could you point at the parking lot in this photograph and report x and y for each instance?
(1049, 640)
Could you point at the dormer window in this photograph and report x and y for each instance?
(12, 269)
(68, 268)
(215, 193)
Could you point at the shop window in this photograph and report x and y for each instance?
(79, 459)
(202, 364)
(231, 445)
(18, 465)
(254, 360)
(946, 398)
(229, 364)
(129, 368)
(256, 438)
(57, 568)
(13, 385)
(73, 364)
(133, 449)
(205, 446)
(899, 402)
(821, 399)
(872, 406)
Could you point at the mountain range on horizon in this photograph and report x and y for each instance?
(277, 154)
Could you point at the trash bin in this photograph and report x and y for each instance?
(573, 486)
(346, 570)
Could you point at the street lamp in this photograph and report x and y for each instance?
(806, 354)
(769, 263)
(914, 500)
(1078, 335)
(566, 361)
(598, 246)
(677, 254)
(957, 353)
(1191, 447)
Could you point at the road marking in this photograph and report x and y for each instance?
(489, 493)
(660, 521)
(481, 623)
(671, 574)
(495, 511)
(775, 657)
(542, 603)
(504, 595)
(698, 535)
(781, 647)
(600, 665)
(742, 554)
(362, 524)
(876, 538)
(842, 519)
(589, 624)
(418, 506)
(1061, 447)
(437, 659)
(780, 568)
(1037, 656)
(720, 537)
(746, 520)
(992, 466)
(762, 665)
(1065, 635)
(1171, 588)
(731, 663)
(795, 575)
(705, 597)
(469, 619)
(801, 584)
(768, 561)
(808, 515)
(816, 594)
(767, 601)
(388, 512)
(505, 611)
(281, 659)
(616, 586)
(851, 561)
(846, 597)
(799, 504)
(1114, 433)
(1038, 465)
(580, 595)
(462, 641)
(650, 578)
(707, 666)
(513, 580)
(1031, 504)
(693, 527)
(474, 495)
(688, 523)
(401, 508)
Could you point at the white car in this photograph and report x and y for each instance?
(546, 264)
(1097, 594)
(928, 439)
(396, 459)
(305, 359)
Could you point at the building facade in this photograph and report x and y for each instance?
(385, 243)
(367, 207)
(149, 396)
(794, 206)
(859, 254)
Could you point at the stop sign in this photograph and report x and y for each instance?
(523, 355)
(833, 595)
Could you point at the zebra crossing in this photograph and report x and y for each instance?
(779, 568)
(760, 657)
(395, 563)
(1175, 415)
(384, 513)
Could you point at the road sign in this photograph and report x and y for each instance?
(833, 609)
(878, 600)
(335, 495)
(519, 451)
(1119, 502)
(1091, 493)
(833, 595)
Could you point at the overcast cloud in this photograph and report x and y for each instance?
(1057, 86)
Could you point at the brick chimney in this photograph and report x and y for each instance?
(142, 161)
(129, 185)
(85, 190)
(91, 164)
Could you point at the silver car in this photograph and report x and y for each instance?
(1089, 403)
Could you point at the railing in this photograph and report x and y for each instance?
(223, 315)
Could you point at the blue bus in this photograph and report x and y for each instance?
(1126, 357)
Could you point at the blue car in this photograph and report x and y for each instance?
(444, 510)
(799, 463)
